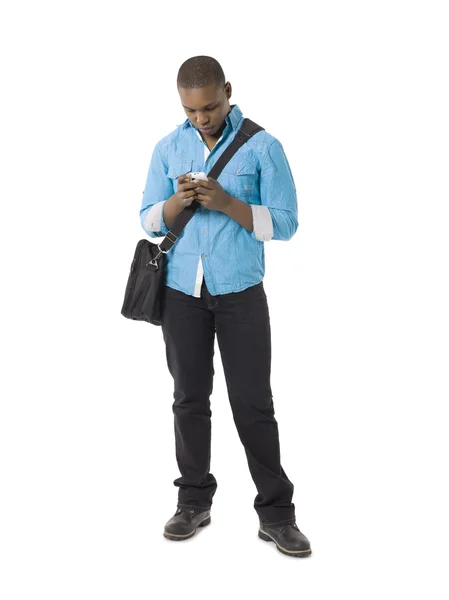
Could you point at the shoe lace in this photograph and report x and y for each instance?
(187, 510)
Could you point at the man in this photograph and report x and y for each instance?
(213, 285)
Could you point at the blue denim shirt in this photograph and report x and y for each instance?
(212, 245)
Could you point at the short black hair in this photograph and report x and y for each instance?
(200, 71)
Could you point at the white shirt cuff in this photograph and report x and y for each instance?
(262, 223)
(154, 220)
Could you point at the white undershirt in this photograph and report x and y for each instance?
(200, 271)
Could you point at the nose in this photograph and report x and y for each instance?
(201, 124)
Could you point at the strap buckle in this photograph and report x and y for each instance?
(153, 261)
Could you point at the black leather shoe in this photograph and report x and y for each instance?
(184, 522)
(288, 539)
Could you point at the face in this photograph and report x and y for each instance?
(207, 107)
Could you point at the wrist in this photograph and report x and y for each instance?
(176, 204)
(230, 200)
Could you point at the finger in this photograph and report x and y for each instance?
(189, 195)
(206, 185)
(202, 198)
(202, 187)
(184, 178)
(189, 185)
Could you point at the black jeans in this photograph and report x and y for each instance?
(242, 323)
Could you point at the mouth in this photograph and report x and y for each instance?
(206, 129)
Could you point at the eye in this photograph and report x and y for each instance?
(213, 108)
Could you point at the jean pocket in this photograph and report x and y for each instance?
(249, 305)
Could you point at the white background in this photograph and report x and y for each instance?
(357, 94)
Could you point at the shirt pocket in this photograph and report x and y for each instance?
(241, 178)
(177, 168)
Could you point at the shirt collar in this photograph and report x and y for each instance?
(233, 118)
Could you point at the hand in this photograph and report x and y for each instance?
(186, 192)
(211, 195)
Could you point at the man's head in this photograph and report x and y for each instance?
(204, 93)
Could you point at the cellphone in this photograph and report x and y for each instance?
(198, 175)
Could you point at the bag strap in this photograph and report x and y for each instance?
(247, 130)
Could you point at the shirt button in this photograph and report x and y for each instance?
(203, 255)
(204, 231)
(238, 170)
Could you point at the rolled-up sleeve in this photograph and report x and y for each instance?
(276, 218)
(158, 189)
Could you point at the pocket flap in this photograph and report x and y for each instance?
(178, 168)
(242, 168)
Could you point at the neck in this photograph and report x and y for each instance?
(222, 127)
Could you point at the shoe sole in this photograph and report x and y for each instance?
(297, 553)
(178, 537)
